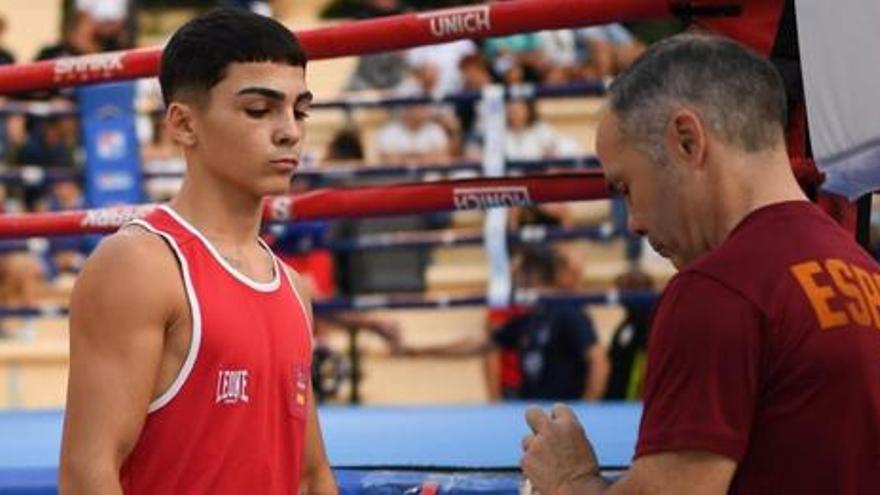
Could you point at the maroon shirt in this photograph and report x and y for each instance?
(767, 351)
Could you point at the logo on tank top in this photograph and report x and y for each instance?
(298, 400)
(232, 386)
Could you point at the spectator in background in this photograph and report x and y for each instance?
(21, 273)
(380, 71)
(610, 49)
(21, 277)
(560, 55)
(434, 71)
(629, 342)
(517, 58)
(369, 9)
(12, 127)
(530, 138)
(413, 138)
(556, 354)
(435, 68)
(475, 75)
(345, 146)
(112, 19)
(78, 37)
(6, 56)
(262, 7)
(52, 141)
(13, 135)
(66, 254)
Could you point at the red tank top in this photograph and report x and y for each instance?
(233, 421)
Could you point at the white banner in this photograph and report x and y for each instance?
(840, 56)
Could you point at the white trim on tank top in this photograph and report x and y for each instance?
(253, 284)
(196, 317)
(302, 304)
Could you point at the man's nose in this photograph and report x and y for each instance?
(634, 224)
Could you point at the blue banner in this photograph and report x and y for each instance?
(113, 166)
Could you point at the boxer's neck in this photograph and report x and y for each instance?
(219, 210)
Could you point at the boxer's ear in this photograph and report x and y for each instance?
(179, 123)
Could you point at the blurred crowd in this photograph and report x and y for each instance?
(567, 354)
(41, 142)
(437, 134)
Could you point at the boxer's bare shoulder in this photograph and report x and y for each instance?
(127, 267)
(127, 297)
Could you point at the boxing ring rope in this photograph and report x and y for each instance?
(332, 203)
(356, 38)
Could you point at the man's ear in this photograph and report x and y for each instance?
(685, 138)
(180, 124)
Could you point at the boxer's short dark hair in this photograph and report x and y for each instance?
(198, 55)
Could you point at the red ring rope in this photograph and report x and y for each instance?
(330, 203)
(356, 38)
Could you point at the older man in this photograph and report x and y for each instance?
(763, 371)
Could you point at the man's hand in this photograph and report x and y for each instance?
(557, 457)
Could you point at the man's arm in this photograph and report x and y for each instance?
(120, 307)
(387, 329)
(469, 346)
(559, 460)
(600, 367)
(683, 472)
(578, 329)
(463, 347)
(492, 372)
(317, 477)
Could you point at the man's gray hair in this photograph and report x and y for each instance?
(738, 94)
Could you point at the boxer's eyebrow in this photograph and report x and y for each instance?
(272, 94)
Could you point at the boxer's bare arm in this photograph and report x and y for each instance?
(317, 477)
(128, 293)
